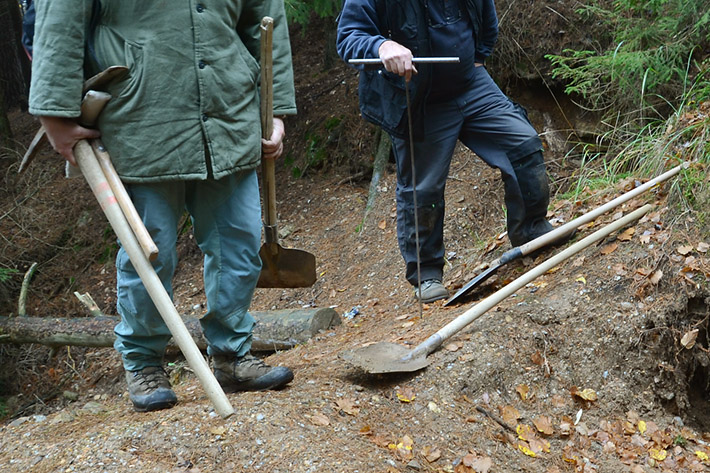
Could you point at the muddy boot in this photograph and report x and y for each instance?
(248, 373)
(149, 389)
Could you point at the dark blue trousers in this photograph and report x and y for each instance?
(498, 131)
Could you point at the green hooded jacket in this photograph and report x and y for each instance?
(189, 107)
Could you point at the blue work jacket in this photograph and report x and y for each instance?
(365, 24)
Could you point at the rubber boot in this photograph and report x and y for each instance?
(527, 208)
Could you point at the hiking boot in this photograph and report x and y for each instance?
(248, 373)
(431, 290)
(149, 389)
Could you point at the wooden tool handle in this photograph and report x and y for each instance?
(267, 122)
(481, 307)
(150, 249)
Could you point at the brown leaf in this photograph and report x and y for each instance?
(656, 277)
(320, 419)
(537, 358)
(382, 225)
(431, 454)
(684, 249)
(510, 414)
(453, 346)
(688, 340)
(586, 394)
(478, 464)
(348, 406)
(523, 390)
(406, 394)
(627, 234)
(702, 247)
(610, 248)
(544, 425)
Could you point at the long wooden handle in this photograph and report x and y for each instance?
(562, 230)
(433, 342)
(267, 122)
(94, 175)
(150, 249)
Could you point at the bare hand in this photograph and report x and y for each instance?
(273, 148)
(397, 59)
(64, 133)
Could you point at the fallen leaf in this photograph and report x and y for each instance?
(544, 425)
(658, 454)
(348, 406)
(404, 448)
(701, 455)
(610, 248)
(523, 390)
(431, 454)
(526, 450)
(642, 426)
(688, 340)
(320, 419)
(579, 261)
(478, 464)
(382, 225)
(656, 277)
(537, 358)
(220, 430)
(581, 279)
(510, 414)
(684, 249)
(406, 394)
(586, 394)
(627, 234)
(645, 238)
(433, 407)
(702, 247)
(525, 432)
(452, 347)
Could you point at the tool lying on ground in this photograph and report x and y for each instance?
(108, 200)
(559, 232)
(385, 357)
(282, 267)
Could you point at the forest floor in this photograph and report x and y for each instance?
(599, 365)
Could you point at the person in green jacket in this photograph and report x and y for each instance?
(183, 132)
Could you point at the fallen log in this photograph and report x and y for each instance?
(274, 330)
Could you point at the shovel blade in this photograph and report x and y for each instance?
(385, 357)
(283, 267)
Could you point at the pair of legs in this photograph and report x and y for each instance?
(498, 131)
(226, 217)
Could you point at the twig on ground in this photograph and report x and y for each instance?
(496, 419)
(21, 304)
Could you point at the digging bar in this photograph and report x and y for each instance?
(281, 267)
(385, 357)
(551, 237)
(91, 169)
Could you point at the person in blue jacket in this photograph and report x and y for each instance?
(449, 102)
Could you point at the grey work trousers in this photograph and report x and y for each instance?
(498, 131)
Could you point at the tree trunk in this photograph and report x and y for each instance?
(274, 330)
(382, 155)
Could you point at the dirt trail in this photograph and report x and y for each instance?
(595, 366)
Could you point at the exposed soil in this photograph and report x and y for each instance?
(591, 363)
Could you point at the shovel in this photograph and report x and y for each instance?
(552, 236)
(281, 267)
(385, 357)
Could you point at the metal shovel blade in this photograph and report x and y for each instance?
(385, 357)
(283, 267)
